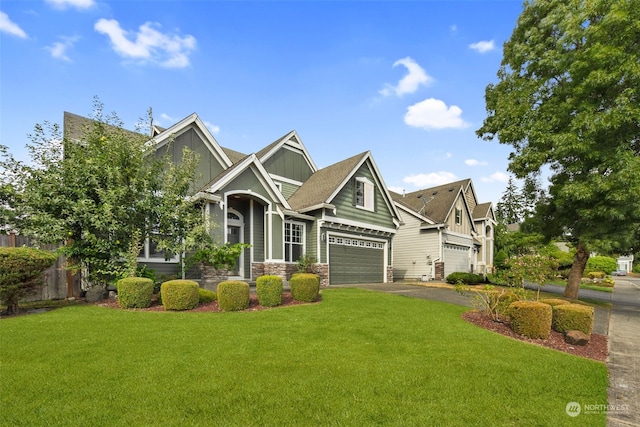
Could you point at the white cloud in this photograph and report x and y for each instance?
(496, 177)
(59, 49)
(148, 44)
(212, 128)
(168, 118)
(395, 189)
(10, 27)
(78, 4)
(410, 83)
(430, 179)
(474, 162)
(434, 114)
(483, 46)
(453, 28)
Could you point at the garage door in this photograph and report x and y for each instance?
(456, 258)
(355, 261)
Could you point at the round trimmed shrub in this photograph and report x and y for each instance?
(134, 292)
(570, 317)
(305, 287)
(180, 294)
(466, 278)
(531, 318)
(233, 295)
(554, 301)
(269, 290)
(205, 295)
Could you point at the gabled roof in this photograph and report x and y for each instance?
(292, 139)
(250, 161)
(193, 121)
(75, 127)
(482, 211)
(435, 202)
(323, 184)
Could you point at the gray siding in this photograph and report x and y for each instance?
(411, 246)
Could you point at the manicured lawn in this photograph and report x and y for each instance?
(358, 358)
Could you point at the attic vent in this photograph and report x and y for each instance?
(434, 193)
(451, 189)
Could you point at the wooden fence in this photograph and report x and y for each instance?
(59, 283)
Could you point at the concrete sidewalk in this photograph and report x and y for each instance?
(624, 357)
(621, 324)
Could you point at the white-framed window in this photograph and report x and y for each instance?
(458, 216)
(151, 252)
(364, 194)
(293, 240)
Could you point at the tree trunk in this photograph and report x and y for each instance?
(575, 274)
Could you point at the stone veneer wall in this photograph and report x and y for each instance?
(210, 277)
(285, 270)
(389, 274)
(439, 271)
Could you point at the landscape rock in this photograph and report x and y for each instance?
(576, 338)
(95, 294)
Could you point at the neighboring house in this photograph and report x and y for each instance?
(625, 263)
(279, 202)
(443, 230)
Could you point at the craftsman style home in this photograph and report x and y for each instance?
(443, 230)
(284, 206)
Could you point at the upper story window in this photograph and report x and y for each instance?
(293, 241)
(458, 216)
(364, 194)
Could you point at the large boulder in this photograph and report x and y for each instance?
(576, 337)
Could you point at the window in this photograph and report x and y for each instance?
(458, 216)
(364, 194)
(293, 241)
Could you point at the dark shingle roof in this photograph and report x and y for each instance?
(439, 200)
(482, 210)
(322, 184)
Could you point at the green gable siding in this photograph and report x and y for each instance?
(258, 233)
(345, 202)
(208, 166)
(247, 180)
(289, 164)
(288, 189)
(216, 222)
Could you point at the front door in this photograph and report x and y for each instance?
(235, 224)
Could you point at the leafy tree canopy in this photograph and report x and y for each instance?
(568, 98)
(103, 193)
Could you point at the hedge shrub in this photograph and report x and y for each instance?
(596, 275)
(500, 301)
(466, 278)
(601, 263)
(233, 295)
(570, 317)
(554, 301)
(21, 272)
(531, 318)
(205, 295)
(180, 294)
(135, 292)
(305, 287)
(269, 290)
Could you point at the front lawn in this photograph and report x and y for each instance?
(357, 358)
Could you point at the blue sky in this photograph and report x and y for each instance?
(404, 79)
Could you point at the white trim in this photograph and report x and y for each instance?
(285, 179)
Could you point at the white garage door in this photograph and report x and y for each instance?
(456, 258)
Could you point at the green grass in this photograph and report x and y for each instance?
(358, 358)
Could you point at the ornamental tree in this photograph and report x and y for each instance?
(102, 191)
(568, 101)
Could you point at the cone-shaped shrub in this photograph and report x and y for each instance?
(269, 290)
(233, 295)
(134, 292)
(305, 287)
(531, 318)
(568, 317)
(180, 294)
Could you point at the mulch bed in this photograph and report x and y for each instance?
(596, 349)
(254, 305)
